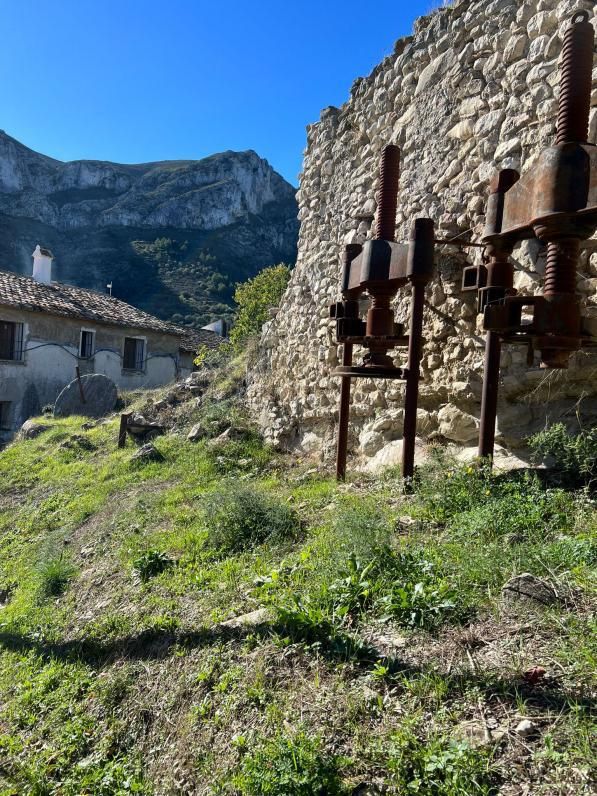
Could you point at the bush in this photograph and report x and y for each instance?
(575, 457)
(293, 766)
(54, 576)
(254, 298)
(240, 517)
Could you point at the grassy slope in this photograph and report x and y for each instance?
(387, 664)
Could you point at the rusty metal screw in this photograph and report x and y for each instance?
(560, 267)
(387, 196)
(575, 81)
(572, 126)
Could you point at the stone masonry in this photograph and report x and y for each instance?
(473, 90)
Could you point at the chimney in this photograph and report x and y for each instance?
(42, 264)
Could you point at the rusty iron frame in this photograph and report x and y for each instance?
(380, 268)
(554, 202)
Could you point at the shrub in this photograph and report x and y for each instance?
(240, 517)
(575, 457)
(293, 766)
(212, 358)
(254, 298)
(150, 564)
(54, 576)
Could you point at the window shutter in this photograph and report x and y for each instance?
(86, 345)
(129, 358)
(6, 339)
(18, 341)
(140, 355)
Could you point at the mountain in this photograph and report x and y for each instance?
(172, 236)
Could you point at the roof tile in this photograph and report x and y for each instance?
(57, 298)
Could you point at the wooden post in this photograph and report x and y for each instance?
(124, 419)
(81, 390)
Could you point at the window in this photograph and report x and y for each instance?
(11, 340)
(4, 415)
(86, 344)
(134, 353)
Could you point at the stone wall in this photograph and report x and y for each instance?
(472, 90)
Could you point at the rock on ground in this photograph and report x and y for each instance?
(528, 591)
(100, 397)
(32, 428)
(147, 453)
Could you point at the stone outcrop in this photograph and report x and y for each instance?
(472, 90)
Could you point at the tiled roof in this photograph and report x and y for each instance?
(26, 293)
(193, 339)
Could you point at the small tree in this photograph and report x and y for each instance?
(253, 298)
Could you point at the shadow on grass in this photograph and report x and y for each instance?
(325, 641)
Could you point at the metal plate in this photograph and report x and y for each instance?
(553, 185)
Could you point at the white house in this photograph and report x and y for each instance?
(47, 329)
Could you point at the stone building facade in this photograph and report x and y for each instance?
(473, 90)
(48, 329)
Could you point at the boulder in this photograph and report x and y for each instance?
(32, 428)
(528, 591)
(100, 395)
(456, 425)
(391, 456)
(230, 435)
(196, 433)
(147, 453)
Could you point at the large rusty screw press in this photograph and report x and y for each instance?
(380, 268)
(555, 202)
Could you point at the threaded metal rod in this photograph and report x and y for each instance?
(575, 81)
(387, 196)
(560, 268)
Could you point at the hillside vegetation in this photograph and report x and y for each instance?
(226, 619)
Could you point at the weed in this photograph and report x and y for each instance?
(54, 576)
(240, 517)
(438, 766)
(574, 457)
(445, 489)
(519, 508)
(150, 564)
(290, 765)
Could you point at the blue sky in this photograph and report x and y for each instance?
(141, 80)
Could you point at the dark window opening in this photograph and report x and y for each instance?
(134, 354)
(11, 340)
(86, 347)
(4, 415)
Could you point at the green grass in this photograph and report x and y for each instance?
(117, 676)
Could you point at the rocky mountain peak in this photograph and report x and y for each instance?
(208, 193)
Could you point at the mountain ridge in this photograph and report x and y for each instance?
(223, 217)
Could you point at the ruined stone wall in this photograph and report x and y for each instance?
(472, 90)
